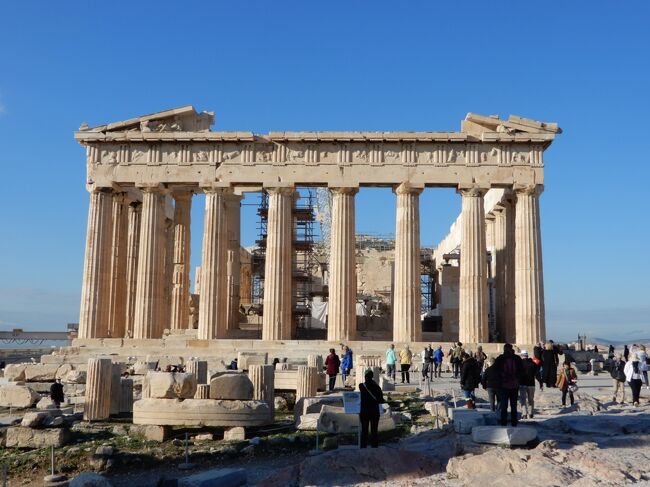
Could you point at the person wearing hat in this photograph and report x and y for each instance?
(527, 385)
(371, 400)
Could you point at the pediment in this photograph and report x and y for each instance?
(182, 119)
(478, 124)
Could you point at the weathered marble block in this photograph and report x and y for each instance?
(21, 437)
(170, 385)
(17, 396)
(231, 386)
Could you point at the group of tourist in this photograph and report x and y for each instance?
(631, 367)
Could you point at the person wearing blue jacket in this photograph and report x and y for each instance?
(438, 356)
(346, 364)
(390, 361)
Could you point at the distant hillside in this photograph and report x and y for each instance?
(604, 341)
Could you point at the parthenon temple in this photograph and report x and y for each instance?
(142, 174)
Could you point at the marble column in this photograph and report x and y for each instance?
(473, 303)
(263, 377)
(180, 293)
(97, 404)
(93, 314)
(202, 391)
(306, 382)
(167, 238)
(117, 296)
(233, 216)
(199, 368)
(276, 321)
(529, 283)
(504, 270)
(132, 247)
(342, 316)
(407, 326)
(151, 251)
(126, 395)
(213, 317)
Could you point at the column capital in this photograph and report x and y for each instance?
(342, 190)
(472, 190)
(182, 194)
(289, 190)
(216, 188)
(408, 188)
(528, 189)
(151, 188)
(93, 188)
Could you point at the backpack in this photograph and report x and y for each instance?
(617, 371)
(509, 374)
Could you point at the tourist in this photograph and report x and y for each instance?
(390, 361)
(527, 385)
(438, 356)
(470, 378)
(332, 364)
(610, 352)
(425, 363)
(491, 382)
(405, 358)
(346, 363)
(56, 393)
(429, 358)
(549, 364)
(455, 358)
(626, 353)
(618, 376)
(566, 382)
(643, 364)
(634, 377)
(232, 365)
(509, 368)
(371, 400)
(480, 357)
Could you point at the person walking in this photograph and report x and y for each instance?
(332, 364)
(438, 357)
(626, 353)
(509, 368)
(618, 377)
(527, 385)
(610, 352)
(455, 359)
(643, 364)
(566, 382)
(470, 378)
(424, 364)
(346, 363)
(549, 364)
(405, 360)
(56, 393)
(390, 361)
(634, 377)
(480, 357)
(371, 399)
(491, 383)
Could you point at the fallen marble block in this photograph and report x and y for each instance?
(332, 419)
(21, 437)
(170, 385)
(17, 396)
(231, 387)
(503, 435)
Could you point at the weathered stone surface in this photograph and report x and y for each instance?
(126, 395)
(500, 435)
(438, 408)
(202, 391)
(285, 379)
(333, 420)
(263, 386)
(150, 432)
(40, 372)
(143, 367)
(75, 377)
(307, 405)
(219, 477)
(97, 403)
(199, 368)
(63, 370)
(15, 372)
(90, 479)
(386, 384)
(308, 422)
(17, 396)
(33, 419)
(45, 403)
(170, 385)
(200, 412)
(280, 403)
(466, 419)
(231, 386)
(116, 390)
(21, 437)
(246, 359)
(307, 382)
(238, 433)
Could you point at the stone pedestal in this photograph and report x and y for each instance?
(213, 318)
(407, 325)
(307, 382)
(262, 377)
(132, 248)
(117, 290)
(473, 311)
(180, 307)
(97, 405)
(96, 275)
(151, 253)
(126, 395)
(342, 319)
(529, 282)
(199, 368)
(277, 320)
(233, 267)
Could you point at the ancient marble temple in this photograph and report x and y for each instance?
(143, 173)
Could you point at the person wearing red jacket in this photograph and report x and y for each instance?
(332, 365)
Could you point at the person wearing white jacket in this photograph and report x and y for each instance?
(633, 375)
(643, 364)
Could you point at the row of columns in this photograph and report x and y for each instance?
(136, 271)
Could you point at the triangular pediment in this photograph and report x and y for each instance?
(181, 119)
(477, 124)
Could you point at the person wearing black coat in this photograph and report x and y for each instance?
(371, 398)
(527, 385)
(491, 382)
(56, 393)
(510, 371)
(470, 378)
(549, 365)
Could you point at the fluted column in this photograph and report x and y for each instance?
(504, 270)
(306, 382)
(97, 404)
(151, 251)
(93, 313)
(126, 395)
(199, 368)
(407, 325)
(473, 310)
(276, 320)
(529, 282)
(180, 294)
(118, 288)
(263, 377)
(342, 316)
(132, 247)
(213, 318)
(233, 211)
(167, 238)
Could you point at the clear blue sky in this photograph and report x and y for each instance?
(366, 65)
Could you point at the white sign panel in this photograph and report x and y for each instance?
(352, 402)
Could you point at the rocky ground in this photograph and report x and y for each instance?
(596, 442)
